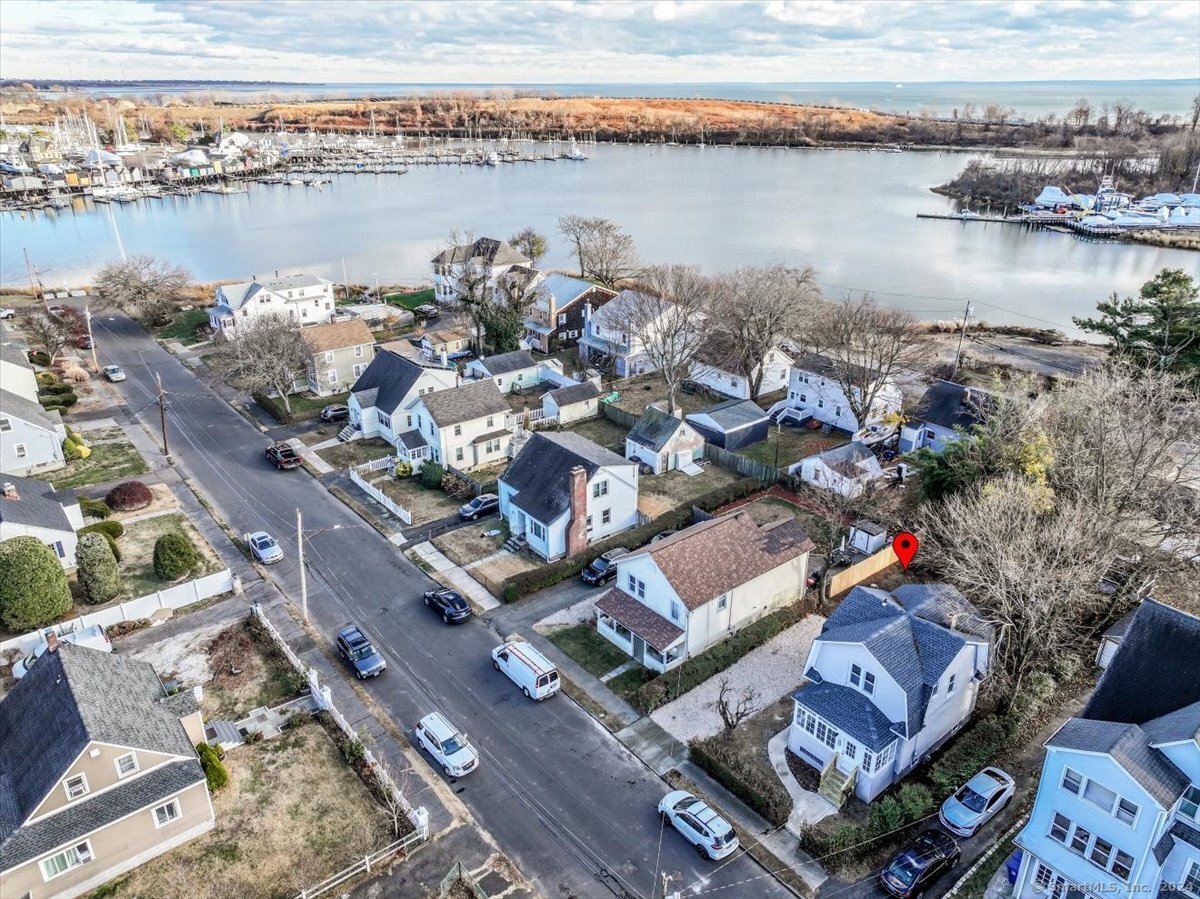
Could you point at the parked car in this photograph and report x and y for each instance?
(283, 456)
(603, 569)
(92, 637)
(360, 653)
(114, 373)
(84, 342)
(335, 413)
(449, 747)
(427, 311)
(663, 535)
(484, 504)
(977, 802)
(919, 864)
(56, 311)
(700, 825)
(449, 604)
(264, 548)
(527, 668)
(8, 313)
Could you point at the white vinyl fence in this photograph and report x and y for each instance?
(380, 497)
(143, 607)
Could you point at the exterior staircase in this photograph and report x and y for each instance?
(836, 787)
(516, 543)
(347, 433)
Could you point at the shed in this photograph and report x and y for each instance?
(868, 537)
(572, 403)
(664, 442)
(732, 424)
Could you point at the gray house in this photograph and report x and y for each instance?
(33, 508)
(941, 416)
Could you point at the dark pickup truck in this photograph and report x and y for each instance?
(282, 456)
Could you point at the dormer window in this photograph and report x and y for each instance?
(76, 786)
(864, 680)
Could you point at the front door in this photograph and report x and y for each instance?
(639, 648)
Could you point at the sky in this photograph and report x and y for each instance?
(577, 41)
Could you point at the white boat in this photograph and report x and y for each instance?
(295, 182)
(492, 159)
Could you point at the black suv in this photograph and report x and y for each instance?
(603, 569)
(918, 865)
(484, 504)
(449, 604)
(356, 649)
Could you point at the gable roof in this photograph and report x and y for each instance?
(386, 382)
(853, 712)
(466, 403)
(503, 363)
(16, 406)
(541, 473)
(13, 354)
(705, 560)
(336, 335)
(485, 249)
(732, 414)
(944, 605)
(655, 428)
(237, 295)
(848, 460)
(574, 393)
(565, 289)
(38, 505)
(1128, 746)
(815, 363)
(1175, 727)
(949, 405)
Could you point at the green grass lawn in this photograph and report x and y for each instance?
(137, 553)
(602, 431)
(356, 452)
(183, 327)
(794, 444)
(108, 462)
(303, 405)
(410, 301)
(595, 654)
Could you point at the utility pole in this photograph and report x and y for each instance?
(303, 574)
(162, 412)
(87, 314)
(961, 335)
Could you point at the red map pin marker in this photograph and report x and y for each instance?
(905, 546)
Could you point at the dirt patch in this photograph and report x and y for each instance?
(423, 504)
(661, 493)
(504, 565)
(183, 658)
(467, 545)
(248, 672)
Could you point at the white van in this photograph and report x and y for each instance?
(92, 637)
(527, 668)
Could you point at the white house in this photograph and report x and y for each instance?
(380, 398)
(1117, 811)
(515, 370)
(486, 258)
(814, 389)
(33, 508)
(846, 470)
(575, 402)
(306, 298)
(711, 368)
(606, 341)
(663, 442)
(16, 372)
(563, 492)
(467, 427)
(30, 436)
(675, 598)
(889, 679)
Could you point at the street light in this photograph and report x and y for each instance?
(300, 554)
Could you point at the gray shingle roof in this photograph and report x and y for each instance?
(655, 428)
(412, 439)
(850, 711)
(10, 352)
(816, 364)
(466, 403)
(504, 363)
(944, 605)
(39, 505)
(485, 249)
(575, 393)
(951, 405)
(17, 406)
(1175, 727)
(1129, 747)
(386, 382)
(733, 414)
(541, 473)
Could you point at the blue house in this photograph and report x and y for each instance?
(944, 413)
(1118, 804)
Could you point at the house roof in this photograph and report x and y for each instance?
(951, 405)
(732, 414)
(503, 363)
(466, 403)
(705, 560)
(655, 428)
(564, 289)
(541, 472)
(574, 393)
(71, 697)
(446, 335)
(337, 335)
(851, 460)
(944, 605)
(16, 406)
(386, 382)
(236, 295)
(1117, 630)
(874, 528)
(815, 363)
(642, 620)
(616, 311)
(10, 352)
(491, 435)
(485, 249)
(38, 505)
(412, 439)
(1129, 747)
(850, 710)
(1175, 727)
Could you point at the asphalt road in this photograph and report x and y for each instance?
(568, 802)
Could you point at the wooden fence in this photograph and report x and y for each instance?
(380, 497)
(617, 416)
(476, 486)
(747, 468)
(860, 571)
(406, 845)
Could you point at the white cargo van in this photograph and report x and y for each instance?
(527, 668)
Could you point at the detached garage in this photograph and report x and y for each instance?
(732, 424)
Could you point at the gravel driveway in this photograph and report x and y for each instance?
(774, 669)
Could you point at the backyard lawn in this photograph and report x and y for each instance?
(356, 452)
(183, 327)
(659, 493)
(771, 508)
(108, 462)
(137, 553)
(303, 405)
(582, 643)
(469, 544)
(602, 431)
(794, 444)
(410, 301)
(423, 504)
(638, 393)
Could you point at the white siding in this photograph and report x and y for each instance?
(825, 399)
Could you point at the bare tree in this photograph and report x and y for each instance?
(605, 252)
(576, 228)
(867, 347)
(734, 709)
(530, 243)
(389, 794)
(470, 277)
(144, 287)
(49, 332)
(265, 354)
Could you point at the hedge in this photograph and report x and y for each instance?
(33, 586)
(94, 508)
(129, 497)
(760, 789)
(174, 556)
(38, 357)
(113, 529)
(97, 567)
(431, 476)
(56, 400)
(970, 752)
(527, 582)
(214, 769)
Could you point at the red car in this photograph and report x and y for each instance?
(282, 456)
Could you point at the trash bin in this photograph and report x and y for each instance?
(1013, 864)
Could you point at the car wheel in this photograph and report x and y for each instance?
(445, 618)
(426, 598)
(954, 861)
(446, 768)
(703, 852)
(525, 690)
(495, 664)
(475, 517)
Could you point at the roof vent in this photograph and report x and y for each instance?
(10, 490)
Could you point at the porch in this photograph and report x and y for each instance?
(639, 632)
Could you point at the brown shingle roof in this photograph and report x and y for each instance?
(642, 620)
(337, 335)
(708, 559)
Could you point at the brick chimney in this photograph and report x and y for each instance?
(51, 641)
(10, 491)
(577, 524)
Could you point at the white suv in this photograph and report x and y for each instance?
(451, 749)
(700, 825)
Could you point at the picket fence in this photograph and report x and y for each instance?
(380, 497)
(375, 464)
(143, 607)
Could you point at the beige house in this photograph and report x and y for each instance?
(98, 773)
(341, 352)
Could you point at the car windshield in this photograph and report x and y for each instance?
(266, 543)
(600, 564)
(971, 799)
(906, 868)
(453, 745)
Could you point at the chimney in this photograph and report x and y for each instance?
(577, 524)
(966, 397)
(51, 641)
(10, 491)
(276, 273)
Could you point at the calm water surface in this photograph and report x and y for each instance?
(851, 215)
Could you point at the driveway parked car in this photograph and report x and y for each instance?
(360, 653)
(83, 342)
(449, 748)
(977, 802)
(700, 825)
(283, 456)
(662, 535)
(428, 311)
(449, 604)
(114, 373)
(8, 313)
(335, 413)
(603, 569)
(484, 504)
(264, 548)
(916, 866)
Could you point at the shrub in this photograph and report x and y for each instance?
(432, 475)
(214, 769)
(94, 508)
(33, 585)
(404, 469)
(73, 451)
(113, 529)
(1036, 691)
(58, 387)
(174, 556)
(885, 815)
(39, 357)
(762, 790)
(972, 750)
(129, 497)
(915, 802)
(98, 573)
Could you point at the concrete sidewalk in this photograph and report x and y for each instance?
(309, 455)
(807, 807)
(452, 575)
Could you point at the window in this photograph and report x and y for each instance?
(493, 446)
(803, 398)
(1072, 781)
(76, 786)
(1189, 805)
(1127, 812)
(723, 602)
(458, 454)
(165, 814)
(19, 449)
(1123, 864)
(1191, 880)
(386, 420)
(869, 683)
(69, 858)
(820, 404)
(562, 319)
(329, 357)
(868, 759)
(1048, 883)
(58, 549)
(332, 376)
(606, 516)
(1100, 796)
(490, 421)
(409, 418)
(600, 488)
(676, 611)
(733, 381)
(458, 430)
(1080, 839)
(850, 749)
(826, 734)
(1059, 827)
(358, 350)
(950, 684)
(837, 410)
(359, 368)
(5, 424)
(537, 529)
(126, 765)
(1101, 852)
(588, 524)
(856, 675)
